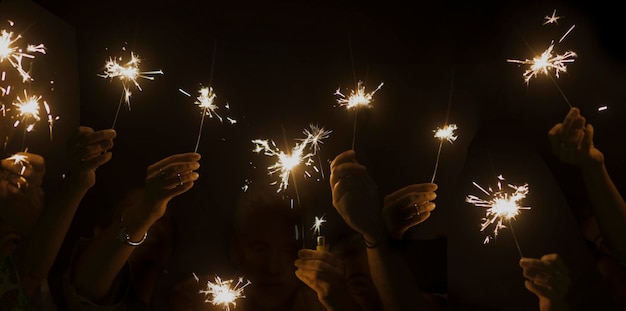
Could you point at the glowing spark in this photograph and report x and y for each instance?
(286, 162)
(357, 97)
(500, 205)
(601, 108)
(546, 62)
(205, 101)
(224, 293)
(567, 33)
(28, 110)
(317, 226)
(19, 159)
(127, 73)
(14, 55)
(447, 133)
(552, 19)
(315, 136)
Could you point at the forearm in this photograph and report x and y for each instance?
(104, 257)
(394, 280)
(609, 208)
(38, 251)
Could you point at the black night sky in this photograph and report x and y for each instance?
(277, 65)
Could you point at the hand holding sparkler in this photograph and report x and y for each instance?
(21, 171)
(572, 141)
(355, 197)
(548, 278)
(88, 150)
(325, 274)
(407, 207)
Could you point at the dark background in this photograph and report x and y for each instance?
(277, 65)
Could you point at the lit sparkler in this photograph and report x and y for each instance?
(357, 98)
(20, 160)
(548, 61)
(286, 162)
(445, 133)
(314, 137)
(317, 225)
(501, 205)
(317, 230)
(224, 293)
(14, 55)
(128, 73)
(28, 109)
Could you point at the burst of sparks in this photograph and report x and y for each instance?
(357, 97)
(315, 136)
(127, 73)
(224, 293)
(545, 63)
(21, 160)
(28, 111)
(501, 205)
(14, 55)
(447, 133)
(206, 101)
(317, 225)
(286, 162)
(551, 19)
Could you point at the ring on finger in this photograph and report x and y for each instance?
(180, 179)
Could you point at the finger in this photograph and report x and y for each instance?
(415, 188)
(177, 190)
(536, 289)
(569, 119)
(183, 157)
(587, 140)
(311, 254)
(173, 169)
(318, 266)
(97, 161)
(351, 169)
(554, 137)
(97, 137)
(415, 220)
(175, 181)
(346, 156)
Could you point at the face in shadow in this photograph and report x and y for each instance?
(263, 250)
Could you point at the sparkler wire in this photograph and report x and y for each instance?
(445, 124)
(205, 108)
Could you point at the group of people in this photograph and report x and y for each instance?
(118, 266)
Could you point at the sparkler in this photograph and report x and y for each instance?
(14, 55)
(501, 205)
(286, 162)
(317, 227)
(357, 98)
(548, 61)
(28, 112)
(445, 133)
(224, 293)
(315, 137)
(127, 73)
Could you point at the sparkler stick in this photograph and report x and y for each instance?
(224, 293)
(206, 99)
(500, 206)
(549, 61)
(127, 73)
(447, 132)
